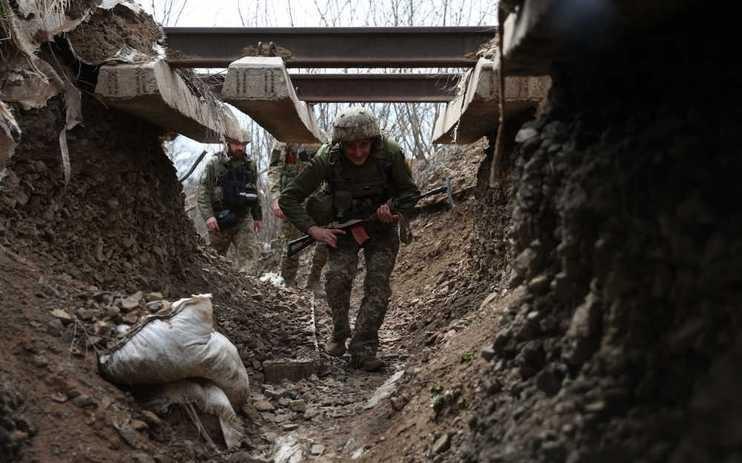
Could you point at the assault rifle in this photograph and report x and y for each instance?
(297, 245)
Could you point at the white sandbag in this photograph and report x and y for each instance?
(208, 398)
(181, 344)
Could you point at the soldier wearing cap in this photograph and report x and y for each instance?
(229, 202)
(365, 177)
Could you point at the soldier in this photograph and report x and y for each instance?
(227, 197)
(364, 172)
(287, 161)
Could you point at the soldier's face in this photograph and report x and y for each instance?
(236, 149)
(357, 151)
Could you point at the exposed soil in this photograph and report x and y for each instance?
(582, 309)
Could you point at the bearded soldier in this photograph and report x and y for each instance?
(365, 177)
(228, 198)
(287, 161)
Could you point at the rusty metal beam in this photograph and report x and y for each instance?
(325, 47)
(366, 88)
(375, 88)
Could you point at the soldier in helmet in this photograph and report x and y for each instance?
(228, 199)
(364, 173)
(287, 161)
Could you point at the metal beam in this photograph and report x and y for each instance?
(366, 88)
(375, 88)
(326, 47)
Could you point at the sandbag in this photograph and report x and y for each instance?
(178, 345)
(208, 398)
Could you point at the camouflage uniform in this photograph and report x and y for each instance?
(287, 161)
(211, 202)
(356, 192)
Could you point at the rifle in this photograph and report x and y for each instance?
(297, 245)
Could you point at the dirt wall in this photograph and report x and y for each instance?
(623, 222)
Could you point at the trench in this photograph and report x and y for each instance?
(584, 308)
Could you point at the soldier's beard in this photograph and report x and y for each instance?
(237, 154)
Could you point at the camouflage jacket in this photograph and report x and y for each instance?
(209, 188)
(358, 183)
(285, 166)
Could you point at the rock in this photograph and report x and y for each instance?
(131, 437)
(55, 327)
(62, 316)
(548, 382)
(39, 361)
(264, 406)
(131, 318)
(525, 134)
(317, 450)
(525, 262)
(290, 427)
(130, 303)
(595, 407)
(583, 332)
(488, 353)
(284, 401)
(398, 402)
(299, 406)
(442, 444)
(502, 341)
(85, 314)
(151, 419)
(155, 296)
(539, 285)
(276, 393)
(59, 397)
(311, 413)
(84, 401)
(139, 425)
(292, 370)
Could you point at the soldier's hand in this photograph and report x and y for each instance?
(384, 213)
(212, 224)
(257, 225)
(277, 210)
(325, 235)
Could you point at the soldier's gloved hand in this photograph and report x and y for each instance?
(384, 213)
(277, 209)
(325, 235)
(212, 224)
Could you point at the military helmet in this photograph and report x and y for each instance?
(238, 135)
(354, 124)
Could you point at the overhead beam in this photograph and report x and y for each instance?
(328, 47)
(375, 88)
(260, 86)
(475, 111)
(366, 88)
(154, 92)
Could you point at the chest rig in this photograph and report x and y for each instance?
(357, 193)
(237, 186)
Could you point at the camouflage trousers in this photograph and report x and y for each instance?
(380, 254)
(290, 265)
(242, 237)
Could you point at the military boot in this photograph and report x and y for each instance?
(335, 347)
(367, 363)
